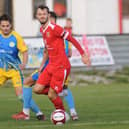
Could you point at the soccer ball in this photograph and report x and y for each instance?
(58, 117)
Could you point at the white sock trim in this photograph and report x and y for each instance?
(73, 111)
(39, 113)
(26, 111)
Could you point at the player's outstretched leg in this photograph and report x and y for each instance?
(55, 99)
(70, 102)
(28, 103)
(34, 107)
(52, 95)
(45, 79)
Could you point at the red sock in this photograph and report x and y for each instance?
(58, 103)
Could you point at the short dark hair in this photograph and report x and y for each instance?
(53, 14)
(43, 7)
(69, 19)
(5, 17)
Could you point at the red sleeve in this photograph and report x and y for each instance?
(75, 43)
(60, 32)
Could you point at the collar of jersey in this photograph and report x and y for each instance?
(7, 35)
(46, 27)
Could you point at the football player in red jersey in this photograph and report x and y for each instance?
(51, 80)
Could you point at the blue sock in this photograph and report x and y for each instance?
(27, 95)
(34, 107)
(28, 101)
(69, 99)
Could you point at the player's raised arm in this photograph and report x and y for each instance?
(85, 57)
(59, 31)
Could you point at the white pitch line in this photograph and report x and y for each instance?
(79, 124)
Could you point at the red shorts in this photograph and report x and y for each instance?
(54, 77)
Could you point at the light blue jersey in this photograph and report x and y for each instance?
(9, 48)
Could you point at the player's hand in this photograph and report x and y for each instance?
(22, 66)
(40, 70)
(86, 59)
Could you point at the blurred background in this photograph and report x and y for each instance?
(89, 16)
(99, 20)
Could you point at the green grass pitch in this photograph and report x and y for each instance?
(99, 107)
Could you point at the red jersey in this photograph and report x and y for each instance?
(53, 36)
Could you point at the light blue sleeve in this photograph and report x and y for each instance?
(66, 47)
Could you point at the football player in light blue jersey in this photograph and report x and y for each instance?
(11, 43)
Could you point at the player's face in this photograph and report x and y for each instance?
(69, 23)
(5, 27)
(42, 15)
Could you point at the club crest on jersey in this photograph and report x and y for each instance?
(48, 34)
(11, 44)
